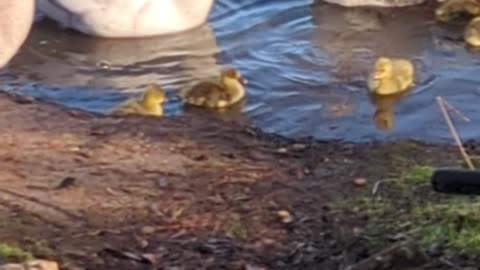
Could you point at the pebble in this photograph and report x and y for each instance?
(299, 147)
(148, 230)
(285, 216)
(31, 265)
(360, 182)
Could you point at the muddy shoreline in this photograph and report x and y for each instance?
(185, 192)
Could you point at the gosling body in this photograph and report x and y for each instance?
(151, 103)
(451, 9)
(472, 33)
(391, 76)
(227, 91)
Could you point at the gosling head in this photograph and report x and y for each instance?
(441, 14)
(472, 33)
(383, 68)
(155, 94)
(233, 74)
(472, 7)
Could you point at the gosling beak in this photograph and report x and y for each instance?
(243, 81)
(377, 75)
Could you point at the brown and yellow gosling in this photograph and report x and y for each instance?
(151, 103)
(391, 76)
(227, 91)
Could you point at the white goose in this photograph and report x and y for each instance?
(105, 18)
(127, 18)
(17, 18)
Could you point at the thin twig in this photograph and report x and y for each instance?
(453, 131)
(457, 112)
(377, 184)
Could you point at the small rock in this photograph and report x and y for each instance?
(285, 216)
(357, 232)
(360, 182)
(104, 64)
(31, 265)
(151, 258)
(268, 241)
(148, 230)
(25, 100)
(162, 182)
(66, 182)
(254, 267)
(299, 147)
(41, 265)
(282, 150)
(12, 266)
(200, 157)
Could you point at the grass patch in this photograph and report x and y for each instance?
(236, 228)
(408, 207)
(417, 175)
(454, 222)
(13, 253)
(373, 206)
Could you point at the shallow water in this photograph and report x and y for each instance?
(306, 63)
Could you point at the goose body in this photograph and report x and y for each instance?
(127, 18)
(16, 20)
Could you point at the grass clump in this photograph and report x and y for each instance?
(373, 206)
(13, 253)
(453, 222)
(409, 208)
(418, 175)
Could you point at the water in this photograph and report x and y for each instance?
(306, 63)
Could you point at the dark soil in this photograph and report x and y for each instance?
(188, 192)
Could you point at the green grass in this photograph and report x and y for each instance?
(237, 229)
(453, 221)
(418, 175)
(13, 253)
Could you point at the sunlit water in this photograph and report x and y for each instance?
(306, 63)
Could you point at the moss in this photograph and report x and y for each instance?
(455, 222)
(433, 218)
(372, 206)
(234, 227)
(13, 253)
(418, 175)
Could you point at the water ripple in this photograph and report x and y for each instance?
(306, 62)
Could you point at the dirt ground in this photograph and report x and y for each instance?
(186, 192)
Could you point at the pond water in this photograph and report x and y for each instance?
(306, 63)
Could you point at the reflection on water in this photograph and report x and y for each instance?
(384, 115)
(97, 74)
(306, 63)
